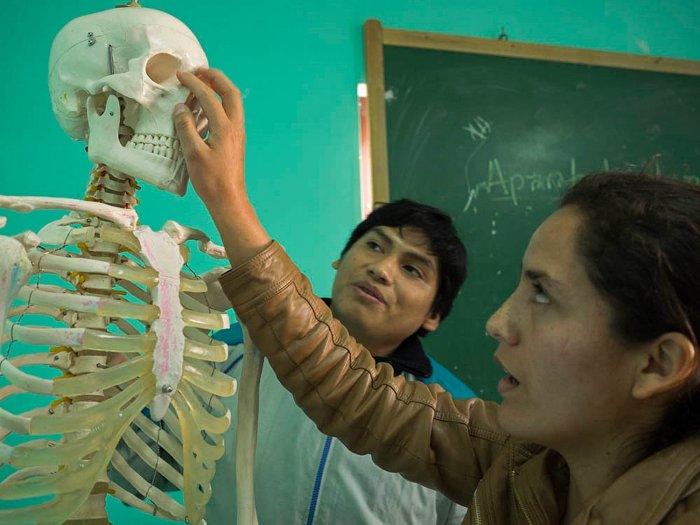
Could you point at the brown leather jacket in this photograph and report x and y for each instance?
(454, 446)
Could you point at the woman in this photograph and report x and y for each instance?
(598, 422)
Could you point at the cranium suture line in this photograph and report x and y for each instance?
(107, 325)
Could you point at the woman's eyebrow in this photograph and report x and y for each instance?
(543, 277)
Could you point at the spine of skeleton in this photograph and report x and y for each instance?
(113, 190)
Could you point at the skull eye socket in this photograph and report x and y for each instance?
(162, 67)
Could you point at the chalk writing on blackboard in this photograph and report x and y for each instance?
(479, 130)
(517, 187)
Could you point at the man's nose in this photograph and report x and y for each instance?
(501, 325)
(383, 270)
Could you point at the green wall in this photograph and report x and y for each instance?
(297, 64)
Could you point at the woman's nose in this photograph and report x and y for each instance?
(501, 325)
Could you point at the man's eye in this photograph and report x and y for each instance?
(413, 270)
(540, 295)
(372, 245)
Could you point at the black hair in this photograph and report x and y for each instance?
(640, 242)
(445, 244)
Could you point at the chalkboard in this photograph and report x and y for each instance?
(494, 131)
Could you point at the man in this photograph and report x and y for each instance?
(396, 281)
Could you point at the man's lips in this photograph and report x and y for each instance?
(370, 290)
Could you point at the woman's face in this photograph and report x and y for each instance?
(569, 379)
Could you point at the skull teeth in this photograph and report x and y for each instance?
(160, 145)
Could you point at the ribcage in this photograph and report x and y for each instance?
(108, 365)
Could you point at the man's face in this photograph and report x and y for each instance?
(385, 287)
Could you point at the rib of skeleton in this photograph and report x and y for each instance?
(129, 353)
(122, 295)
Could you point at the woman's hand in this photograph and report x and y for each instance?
(216, 165)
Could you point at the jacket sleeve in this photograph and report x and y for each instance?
(407, 426)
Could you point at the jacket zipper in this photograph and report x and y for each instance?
(475, 507)
(518, 499)
(317, 483)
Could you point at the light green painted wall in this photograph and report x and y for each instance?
(297, 64)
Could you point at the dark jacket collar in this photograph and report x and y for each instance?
(408, 357)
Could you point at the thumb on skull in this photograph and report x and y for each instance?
(185, 128)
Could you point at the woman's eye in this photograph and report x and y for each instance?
(540, 295)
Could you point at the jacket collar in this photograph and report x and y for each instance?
(643, 495)
(648, 491)
(408, 357)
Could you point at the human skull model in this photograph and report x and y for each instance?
(113, 84)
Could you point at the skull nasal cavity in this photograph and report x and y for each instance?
(162, 67)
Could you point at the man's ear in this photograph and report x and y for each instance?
(335, 264)
(431, 322)
(668, 362)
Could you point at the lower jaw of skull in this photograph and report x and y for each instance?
(157, 161)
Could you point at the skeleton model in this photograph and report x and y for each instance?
(104, 334)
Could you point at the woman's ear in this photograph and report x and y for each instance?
(335, 264)
(668, 362)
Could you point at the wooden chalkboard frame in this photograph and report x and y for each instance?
(376, 37)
